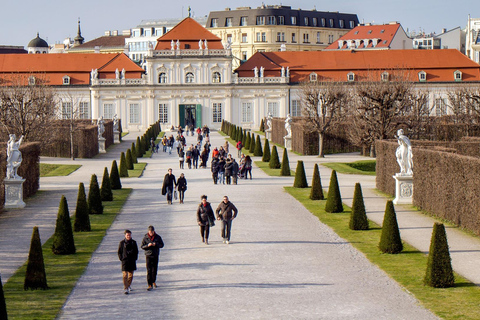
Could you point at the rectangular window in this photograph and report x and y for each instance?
(293, 20)
(244, 37)
(296, 110)
(246, 112)
(217, 112)
(271, 20)
(163, 112)
(83, 110)
(281, 20)
(280, 36)
(341, 23)
(243, 21)
(244, 55)
(260, 20)
(305, 38)
(228, 22)
(331, 23)
(148, 32)
(323, 22)
(264, 37)
(214, 23)
(294, 39)
(314, 22)
(134, 113)
(273, 109)
(440, 107)
(108, 110)
(352, 24)
(305, 20)
(66, 110)
(258, 37)
(318, 37)
(330, 38)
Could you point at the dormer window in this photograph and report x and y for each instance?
(422, 76)
(31, 80)
(382, 31)
(313, 77)
(216, 77)
(385, 76)
(457, 75)
(66, 80)
(356, 32)
(351, 77)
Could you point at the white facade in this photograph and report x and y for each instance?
(472, 41)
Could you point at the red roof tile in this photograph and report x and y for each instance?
(383, 32)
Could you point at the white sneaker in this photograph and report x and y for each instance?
(227, 242)
(224, 241)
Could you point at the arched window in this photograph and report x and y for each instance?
(216, 78)
(457, 75)
(422, 76)
(189, 78)
(162, 78)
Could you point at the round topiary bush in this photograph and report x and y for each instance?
(258, 148)
(35, 277)
(317, 192)
(94, 199)
(300, 176)
(274, 162)
(266, 152)
(390, 241)
(106, 189)
(123, 166)
(334, 199)
(63, 242)
(439, 266)
(285, 169)
(82, 219)
(115, 177)
(358, 216)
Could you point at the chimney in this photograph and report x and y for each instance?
(115, 33)
(444, 30)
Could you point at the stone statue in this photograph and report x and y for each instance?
(178, 44)
(262, 69)
(115, 123)
(14, 157)
(94, 74)
(117, 74)
(123, 73)
(288, 72)
(229, 45)
(288, 126)
(101, 126)
(269, 121)
(172, 45)
(200, 44)
(283, 72)
(206, 44)
(283, 47)
(404, 154)
(255, 72)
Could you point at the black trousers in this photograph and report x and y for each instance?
(152, 268)
(205, 232)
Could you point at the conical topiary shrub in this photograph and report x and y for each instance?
(244, 138)
(106, 189)
(129, 159)
(82, 219)
(317, 192)
(258, 148)
(252, 144)
(274, 162)
(266, 152)
(63, 242)
(246, 146)
(300, 176)
(358, 217)
(123, 166)
(285, 169)
(94, 198)
(138, 148)
(262, 126)
(390, 241)
(334, 199)
(439, 266)
(144, 144)
(3, 305)
(134, 153)
(35, 277)
(115, 177)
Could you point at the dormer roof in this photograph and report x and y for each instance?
(383, 34)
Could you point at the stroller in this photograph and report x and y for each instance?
(241, 171)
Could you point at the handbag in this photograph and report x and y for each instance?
(211, 221)
(175, 194)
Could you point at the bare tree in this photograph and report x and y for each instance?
(322, 104)
(27, 107)
(417, 113)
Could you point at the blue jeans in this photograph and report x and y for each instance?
(221, 177)
(169, 193)
(226, 228)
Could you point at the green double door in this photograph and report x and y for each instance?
(190, 114)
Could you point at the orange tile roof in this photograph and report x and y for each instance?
(384, 32)
(188, 31)
(335, 65)
(77, 66)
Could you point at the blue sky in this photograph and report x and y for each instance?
(57, 19)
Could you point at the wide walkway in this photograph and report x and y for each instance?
(282, 262)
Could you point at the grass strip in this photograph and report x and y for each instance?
(137, 171)
(407, 268)
(271, 172)
(365, 167)
(63, 271)
(57, 170)
(124, 133)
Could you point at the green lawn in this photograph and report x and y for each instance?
(407, 268)
(63, 271)
(271, 172)
(137, 171)
(56, 170)
(124, 133)
(366, 167)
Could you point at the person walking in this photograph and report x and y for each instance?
(205, 218)
(128, 255)
(189, 155)
(235, 169)
(248, 167)
(228, 169)
(152, 243)
(181, 157)
(226, 211)
(239, 148)
(181, 187)
(195, 155)
(214, 169)
(221, 170)
(169, 185)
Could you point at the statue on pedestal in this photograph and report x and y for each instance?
(262, 70)
(255, 72)
(288, 126)
(123, 73)
(101, 126)
(404, 154)
(283, 72)
(14, 157)
(117, 74)
(269, 121)
(115, 123)
(172, 45)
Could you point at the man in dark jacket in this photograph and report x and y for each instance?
(226, 211)
(169, 184)
(235, 169)
(128, 254)
(214, 168)
(151, 243)
(228, 169)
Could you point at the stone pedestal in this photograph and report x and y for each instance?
(14, 193)
(288, 142)
(101, 145)
(116, 136)
(403, 189)
(268, 134)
